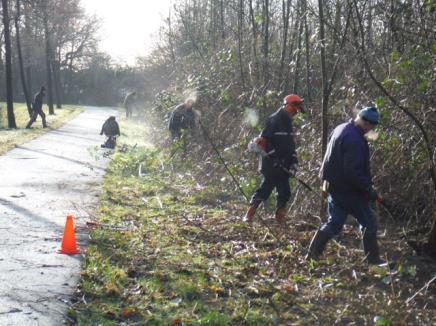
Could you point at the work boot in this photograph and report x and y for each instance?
(280, 215)
(249, 216)
(370, 246)
(317, 245)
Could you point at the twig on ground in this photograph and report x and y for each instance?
(421, 289)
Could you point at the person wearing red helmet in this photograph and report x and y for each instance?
(277, 141)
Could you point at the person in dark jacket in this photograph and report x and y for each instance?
(346, 169)
(182, 118)
(277, 142)
(37, 109)
(111, 130)
(129, 103)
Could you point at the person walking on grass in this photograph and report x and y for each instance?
(277, 143)
(37, 109)
(129, 104)
(346, 168)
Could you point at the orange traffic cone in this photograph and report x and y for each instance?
(69, 246)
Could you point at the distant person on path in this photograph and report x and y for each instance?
(111, 130)
(276, 142)
(129, 103)
(37, 109)
(182, 118)
(346, 168)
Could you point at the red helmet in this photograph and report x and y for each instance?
(293, 99)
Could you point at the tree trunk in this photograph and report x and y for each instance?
(254, 33)
(57, 83)
(286, 8)
(307, 51)
(265, 46)
(20, 58)
(324, 101)
(48, 63)
(240, 40)
(297, 62)
(9, 92)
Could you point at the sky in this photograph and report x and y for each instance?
(128, 26)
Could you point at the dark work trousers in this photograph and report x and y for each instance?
(35, 114)
(280, 181)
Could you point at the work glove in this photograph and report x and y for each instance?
(372, 194)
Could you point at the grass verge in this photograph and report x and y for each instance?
(170, 249)
(9, 138)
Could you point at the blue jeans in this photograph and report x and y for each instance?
(340, 205)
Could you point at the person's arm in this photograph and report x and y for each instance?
(354, 165)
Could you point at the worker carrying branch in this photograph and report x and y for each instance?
(346, 168)
(277, 141)
(111, 130)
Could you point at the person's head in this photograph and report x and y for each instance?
(42, 90)
(293, 104)
(367, 118)
(189, 102)
(112, 118)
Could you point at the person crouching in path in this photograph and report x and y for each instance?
(111, 130)
(37, 109)
(346, 168)
(277, 141)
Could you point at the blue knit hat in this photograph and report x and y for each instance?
(369, 114)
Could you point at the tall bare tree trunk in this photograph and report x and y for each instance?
(307, 51)
(265, 46)
(324, 101)
(297, 61)
(9, 92)
(254, 32)
(240, 40)
(286, 9)
(20, 57)
(57, 83)
(48, 62)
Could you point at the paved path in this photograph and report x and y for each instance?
(41, 182)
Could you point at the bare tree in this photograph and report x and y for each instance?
(20, 57)
(9, 91)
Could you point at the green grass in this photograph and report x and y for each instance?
(9, 138)
(173, 253)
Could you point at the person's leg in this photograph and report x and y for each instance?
(337, 210)
(262, 193)
(44, 122)
(283, 195)
(368, 226)
(32, 119)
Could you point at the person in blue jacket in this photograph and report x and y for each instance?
(277, 142)
(346, 168)
(37, 109)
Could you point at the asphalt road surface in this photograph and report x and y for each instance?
(42, 181)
